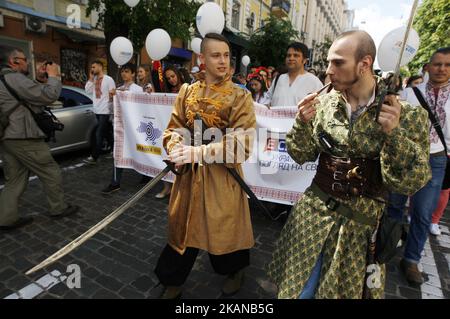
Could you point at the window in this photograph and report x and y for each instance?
(251, 22)
(236, 15)
(70, 98)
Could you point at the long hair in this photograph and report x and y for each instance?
(148, 78)
(168, 86)
(263, 86)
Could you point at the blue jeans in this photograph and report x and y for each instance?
(309, 291)
(103, 126)
(423, 203)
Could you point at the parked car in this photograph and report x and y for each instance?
(74, 109)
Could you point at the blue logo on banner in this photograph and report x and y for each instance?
(152, 133)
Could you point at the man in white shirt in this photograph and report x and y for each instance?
(99, 85)
(127, 72)
(292, 87)
(436, 93)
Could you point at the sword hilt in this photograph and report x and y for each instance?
(183, 170)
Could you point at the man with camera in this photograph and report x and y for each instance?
(22, 145)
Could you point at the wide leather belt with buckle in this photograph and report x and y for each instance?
(345, 178)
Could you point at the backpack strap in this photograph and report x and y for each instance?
(431, 116)
(14, 94)
(8, 113)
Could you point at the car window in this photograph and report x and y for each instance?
(70, 98)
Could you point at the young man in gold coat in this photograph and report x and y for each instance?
(208, 210)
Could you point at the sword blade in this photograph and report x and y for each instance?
(405, 39)
(102, 224)
(249, 192)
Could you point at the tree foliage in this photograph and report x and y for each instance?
(321, 53)
(432, 22)
(268, 44)
(117, 19)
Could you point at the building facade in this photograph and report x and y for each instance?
(316, 20)
(55, 30)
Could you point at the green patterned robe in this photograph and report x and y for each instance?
(312, 228)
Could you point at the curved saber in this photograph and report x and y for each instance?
(390, 89)
(405, 38)
(102, 224)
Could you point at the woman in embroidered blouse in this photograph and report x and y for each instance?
(258, 88)
(144, 79)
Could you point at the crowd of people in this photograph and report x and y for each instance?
(372, 154)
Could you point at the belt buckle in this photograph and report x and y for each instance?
(335, 175)
(355, 172)
(332, 204)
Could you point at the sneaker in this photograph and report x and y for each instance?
(233, 283)
(411, 272)
(90, 160)
(110, 189)
(435, 230)
(171, 292)
(22, 221)
(70, 210)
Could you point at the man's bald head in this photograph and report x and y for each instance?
(364, 45)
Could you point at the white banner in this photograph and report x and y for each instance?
(140, 120)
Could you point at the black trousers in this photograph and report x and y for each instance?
(173, 269)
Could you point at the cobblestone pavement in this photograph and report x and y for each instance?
(118, 262)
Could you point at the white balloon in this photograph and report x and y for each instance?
(121, 50)
(390, 46)
(132, 3)
(245, 60)
(210, 19)
(196, 45)
(158, 44)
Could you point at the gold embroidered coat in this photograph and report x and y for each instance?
(208, 209)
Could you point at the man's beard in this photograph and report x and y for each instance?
(348, 84)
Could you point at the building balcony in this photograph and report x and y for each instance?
(281, 8)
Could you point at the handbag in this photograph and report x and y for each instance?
(389, 234)
(45, 120)
(438, 128)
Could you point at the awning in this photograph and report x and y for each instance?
(236, 39)
(80, 37)
(181, 53)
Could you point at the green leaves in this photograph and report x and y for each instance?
(268, 44)
(321, 52)
(432, 22)
(175, 16)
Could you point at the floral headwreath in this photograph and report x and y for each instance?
(259, 75)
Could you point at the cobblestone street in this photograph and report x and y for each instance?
(118, 262)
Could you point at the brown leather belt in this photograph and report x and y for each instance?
(345, 178)
(441, 153)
